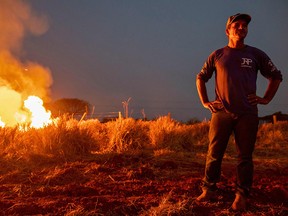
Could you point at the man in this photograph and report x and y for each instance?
(235, 108)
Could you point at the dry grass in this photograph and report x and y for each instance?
(168, 207)
(70, 138)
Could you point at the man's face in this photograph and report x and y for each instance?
(237, 30)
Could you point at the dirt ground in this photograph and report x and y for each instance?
(133, 184)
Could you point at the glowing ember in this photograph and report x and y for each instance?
(39, 116)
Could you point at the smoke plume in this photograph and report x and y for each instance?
(19, 79)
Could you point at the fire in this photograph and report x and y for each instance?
(21, 78)
(39, 116)
(2, 124)
(35, 115)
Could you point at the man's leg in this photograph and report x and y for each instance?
(220, 130)
(245, 138)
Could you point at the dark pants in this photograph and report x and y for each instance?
(245, 129)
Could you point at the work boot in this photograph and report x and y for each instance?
(239, 203)
(207, 195)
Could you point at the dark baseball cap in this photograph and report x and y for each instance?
(238, 16)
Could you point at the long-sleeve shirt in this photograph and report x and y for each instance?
(236, 73)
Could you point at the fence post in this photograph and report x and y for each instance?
(274, 119)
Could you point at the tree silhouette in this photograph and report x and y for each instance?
(69, 106)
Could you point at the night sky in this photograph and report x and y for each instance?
(106, 51)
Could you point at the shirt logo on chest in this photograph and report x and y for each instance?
(246, 62)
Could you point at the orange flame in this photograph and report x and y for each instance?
(35, 115)
(40, 117)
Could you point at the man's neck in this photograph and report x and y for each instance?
(237, 44)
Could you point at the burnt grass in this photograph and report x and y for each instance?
(136, 183)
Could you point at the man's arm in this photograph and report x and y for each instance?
(202, 92)
(272, 88)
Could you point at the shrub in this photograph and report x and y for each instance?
(273, 136)
(126, 134)
(168, 133)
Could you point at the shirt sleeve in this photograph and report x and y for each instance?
(268, 69)
(208, 69)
